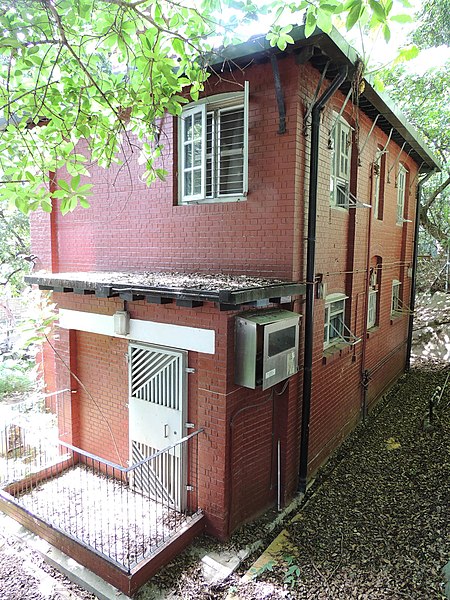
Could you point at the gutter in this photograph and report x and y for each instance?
(412, 301)
(310, 273)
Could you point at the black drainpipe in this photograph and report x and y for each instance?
(412, 301)
(310, 272)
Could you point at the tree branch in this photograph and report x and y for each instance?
(9, 277)
(434, 230)
(431, 199)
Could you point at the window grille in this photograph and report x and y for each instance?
(214, 148)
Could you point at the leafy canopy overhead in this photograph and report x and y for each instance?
(434, 24)
(425, 99)
(104, 70)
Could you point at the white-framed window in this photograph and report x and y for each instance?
(372, 309)
(213, 149)
(401, 194)
(334, 322)
(341, 142)
(395, 298)
(379, 170)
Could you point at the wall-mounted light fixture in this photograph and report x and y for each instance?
(122, 322)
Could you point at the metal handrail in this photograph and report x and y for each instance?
(131, 467)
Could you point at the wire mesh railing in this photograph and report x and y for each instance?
(124, 514)
(29, 435)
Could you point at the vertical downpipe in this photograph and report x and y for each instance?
(310, 273)
(365, 376)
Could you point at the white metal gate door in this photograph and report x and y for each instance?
(157, 411)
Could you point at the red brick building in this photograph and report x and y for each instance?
(292, 184)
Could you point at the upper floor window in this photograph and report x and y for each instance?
(372, 309)
(341, 141)
(213, 148)
(401, 194)
(379, 172)
(374, 288)
(396, 300)
(334, 322)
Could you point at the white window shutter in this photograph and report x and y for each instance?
(193, 176)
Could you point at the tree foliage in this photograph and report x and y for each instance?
(434, 24)
(425, 99)
(15, 255)
(106, 71)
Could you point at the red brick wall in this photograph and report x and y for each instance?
(343, 246)
(130, 226)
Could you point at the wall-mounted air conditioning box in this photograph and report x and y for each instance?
(266, 347)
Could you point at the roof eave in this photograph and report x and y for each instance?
(339, 50)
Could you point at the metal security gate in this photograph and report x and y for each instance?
(157, 409)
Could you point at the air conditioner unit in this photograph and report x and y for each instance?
(266, 347)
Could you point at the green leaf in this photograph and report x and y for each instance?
(327, 8)
(178, 46)
(386, 33)
(408, 53)
(311, 21)
(84, 203)
(324, 21)
(10, 43)
(46, 206)
(60, 194)
(353, 15)
(62, 183)
(75, 182)
(378, 10)
(402, 18)
(349, 4)
(85, 188)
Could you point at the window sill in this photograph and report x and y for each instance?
(212, 201)
(372, 330)
(343, 209)
(332, 353)
(395, 316)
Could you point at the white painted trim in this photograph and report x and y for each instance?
(163, 334)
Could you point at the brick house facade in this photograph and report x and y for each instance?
(249, 452)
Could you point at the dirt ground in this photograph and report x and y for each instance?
(25, 576)
(376, 523)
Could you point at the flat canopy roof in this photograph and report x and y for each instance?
(329, 52)
(187, 289)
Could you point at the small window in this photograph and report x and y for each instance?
(396, 300)
(401, 194)
(341, 142)
(213, 149)
(372, 309)
(334, 323)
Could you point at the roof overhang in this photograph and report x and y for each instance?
(190, 290)
(332, 51)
